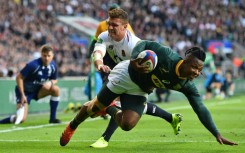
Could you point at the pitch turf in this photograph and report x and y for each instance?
(151, 135)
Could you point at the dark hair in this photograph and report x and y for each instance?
(197, 52)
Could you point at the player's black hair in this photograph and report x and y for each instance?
(197, 52)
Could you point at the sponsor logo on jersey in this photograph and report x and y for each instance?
(40, 73)
(99, 40)
(115, 82)
(163, 70)
(110, 47)
(166, 81)
(157, 82)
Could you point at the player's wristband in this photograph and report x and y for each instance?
(97, 56)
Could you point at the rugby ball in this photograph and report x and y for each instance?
(149, 58)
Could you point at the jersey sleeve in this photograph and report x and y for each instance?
(100, 43)
(102, 27)
(130, 29)
(28, 69)
(99, 30)
(140, 46)
(195, 100)
(54, 68)
(161, 51)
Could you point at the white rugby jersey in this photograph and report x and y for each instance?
(118, 51)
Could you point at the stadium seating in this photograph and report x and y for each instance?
(26, 25)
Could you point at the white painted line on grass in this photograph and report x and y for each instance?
(14, 128)
(207, 104)
(173, 108)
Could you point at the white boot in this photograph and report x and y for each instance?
(19, 115)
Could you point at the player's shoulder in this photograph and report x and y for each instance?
(129, 27)
(168, 49)
(104, 36)
(53, 63)
(35, 62)
(103, 23)
(102, 26)
(133, 38)
(53, 66)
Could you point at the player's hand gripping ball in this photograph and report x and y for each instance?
(149, 58)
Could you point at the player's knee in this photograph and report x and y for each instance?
(129, 120)
(55, 90)
(127, 126)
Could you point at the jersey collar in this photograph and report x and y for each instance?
(177, 69)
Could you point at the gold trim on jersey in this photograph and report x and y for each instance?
(177, 69)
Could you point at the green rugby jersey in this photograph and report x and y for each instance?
(165, 76)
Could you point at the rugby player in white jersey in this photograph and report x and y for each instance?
(112, 47)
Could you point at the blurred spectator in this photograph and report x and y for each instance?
(27, 24)
(213, 83)
(242, 69)
(228, 86)
(11, 73)
(160, 92)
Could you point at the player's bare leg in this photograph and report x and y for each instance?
(87, 110)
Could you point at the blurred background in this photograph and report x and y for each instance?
(218, 26)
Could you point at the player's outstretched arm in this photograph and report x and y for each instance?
(222, 140)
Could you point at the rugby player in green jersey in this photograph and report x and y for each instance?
(133, 82)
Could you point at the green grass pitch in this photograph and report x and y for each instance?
(151, 135)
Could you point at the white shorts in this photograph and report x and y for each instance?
(120, 81)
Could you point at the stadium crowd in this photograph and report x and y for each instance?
(25, 25)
